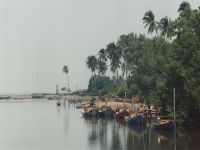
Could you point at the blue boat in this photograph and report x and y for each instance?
(165, 124)
(134, 118)
(106, 112)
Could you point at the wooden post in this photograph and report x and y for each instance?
(97, 103)
(57, 89)
(132, 104)
(174, 105)
(106, 101)
(174, 97)
(124, 100)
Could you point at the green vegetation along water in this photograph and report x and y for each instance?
(42, 125)
(151, 66)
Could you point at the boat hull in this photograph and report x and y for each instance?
(121, 115)
(5, 97)
(166, 126)
(135, 120)
(91, 113)
(106, 113)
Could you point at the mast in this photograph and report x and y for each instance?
(174, 105)
(106, 101)
(57, 89)
(124, 100)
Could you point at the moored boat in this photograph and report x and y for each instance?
(134, 118)
(106, 112)
(37, 96)
(120, 114)
(58, 103)
(89, 112)
(164, 124)
(5, 97)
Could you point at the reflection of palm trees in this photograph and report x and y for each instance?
(93, 135)
(66, 117)
(116, 143)
(103, 133)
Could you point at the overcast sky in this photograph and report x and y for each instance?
(38, 37)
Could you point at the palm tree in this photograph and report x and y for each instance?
(92, 63)
(123, 45)
(149, 21)
(102, 56)
(102, 67)
(114, 54)
(66, 71)
(183, 5)
(165, 26)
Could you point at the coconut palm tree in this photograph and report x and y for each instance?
(122, 44)
(66, 71)
(102, 67)
(92, 63)
(102, 56)
(114, 54)
(165, 26)
(183, 5)
(150, 22)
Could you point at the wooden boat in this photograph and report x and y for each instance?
(134, 118)
(120, 114)
(106, 112)
(5, 97)
(164, 124)
(37, 96)
(89, 112)
(58, 103)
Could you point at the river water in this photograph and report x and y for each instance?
(42, 125)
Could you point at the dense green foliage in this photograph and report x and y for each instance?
(152, 67)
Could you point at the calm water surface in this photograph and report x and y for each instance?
(41, 125)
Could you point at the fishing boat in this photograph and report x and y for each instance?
(37, 96)
(89, 112)
(58, 103)
(106, 112)
(134, 118)
(164, 124)
(120, 114)
(4, 97)
(167, 124)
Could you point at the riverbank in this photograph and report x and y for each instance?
(113, 102)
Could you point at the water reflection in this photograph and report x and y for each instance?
(46, 126)
(109, 134)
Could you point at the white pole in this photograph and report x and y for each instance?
(124, 100)
(174, 106)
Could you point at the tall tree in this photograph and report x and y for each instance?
(92, 63)
(102, 55)
(165, 26)
(150, 22)
(102, 67)
(66, 71)
(114, 54)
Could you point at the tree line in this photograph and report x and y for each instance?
(152, 66)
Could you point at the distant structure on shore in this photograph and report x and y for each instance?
(79, 92)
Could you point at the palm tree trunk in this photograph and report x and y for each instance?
(68, 81)
(92, 80)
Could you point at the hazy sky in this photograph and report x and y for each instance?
(38, 37)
